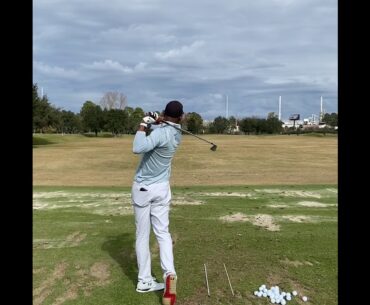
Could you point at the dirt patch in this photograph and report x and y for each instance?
(278, 206)
(266, 221)
(100, 270)
(70, 294)
(75, 238)
(185, 201)
(226, 194)
(235, 217)
(87, 279)
(292, 193)
(313, 204)
(262, 220)
(45, 289)
(298, 218)
(295, 263)
(97, 203)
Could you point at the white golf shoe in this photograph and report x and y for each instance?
(152, 285)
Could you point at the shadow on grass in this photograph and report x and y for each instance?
(40, 141)
(122, 249)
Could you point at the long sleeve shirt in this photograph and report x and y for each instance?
(157, 151)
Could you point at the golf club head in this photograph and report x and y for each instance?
(214, 147)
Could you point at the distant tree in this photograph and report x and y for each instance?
(273, 124)
(43, 114)
(113, 100)
(134, 117)
(70, 122)
(92, 117)
(232, 123)
(245, 125)
(194, 122)
(221, 124)
(331, 119)
(115, 121)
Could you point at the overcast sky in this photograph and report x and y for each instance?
(195, 51)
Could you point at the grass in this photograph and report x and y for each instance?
(84, 231)
(84, 245)
(253, 160)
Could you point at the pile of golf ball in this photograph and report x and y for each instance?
(276, 296)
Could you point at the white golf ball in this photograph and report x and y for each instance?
(282, 302)
(283, 294)
(294, 293)
(264, 294)
(272, 300)
(259, 294)
(256, 292)
(304, 299)
(288, 298)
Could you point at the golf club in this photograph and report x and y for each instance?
(214, 146)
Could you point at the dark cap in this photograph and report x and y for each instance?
(174, 109)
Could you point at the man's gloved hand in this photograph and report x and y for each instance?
(151, 118)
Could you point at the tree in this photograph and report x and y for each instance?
(113, 100)
(43, 114)
(246, 125)
(273, 124)
(232, 124)
(331, 119)
(220, 124)
(194, 122)
(115, 121)
(134, 117)
(70, 122)
(92, 116)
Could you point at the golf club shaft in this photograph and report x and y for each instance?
(188, 132)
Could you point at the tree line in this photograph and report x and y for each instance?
(114, 116)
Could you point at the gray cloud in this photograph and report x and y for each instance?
(194, 51)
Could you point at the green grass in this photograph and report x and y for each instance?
(83, 239)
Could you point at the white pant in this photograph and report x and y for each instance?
(152, 208)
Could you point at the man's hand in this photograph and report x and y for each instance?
(152, 118)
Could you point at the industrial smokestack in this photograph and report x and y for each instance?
(227, 106)
(279, 108)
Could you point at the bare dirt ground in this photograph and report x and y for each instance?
(239, 160)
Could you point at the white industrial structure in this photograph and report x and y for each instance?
(313, 121)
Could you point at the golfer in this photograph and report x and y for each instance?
(151, 197)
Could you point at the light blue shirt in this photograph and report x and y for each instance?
(158, 149)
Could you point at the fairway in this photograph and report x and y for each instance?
(239, 160)
(265, 206)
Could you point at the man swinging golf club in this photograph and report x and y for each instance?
(151, 197)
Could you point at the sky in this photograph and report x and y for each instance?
(200, 52)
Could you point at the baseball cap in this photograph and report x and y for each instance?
(174, 109)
